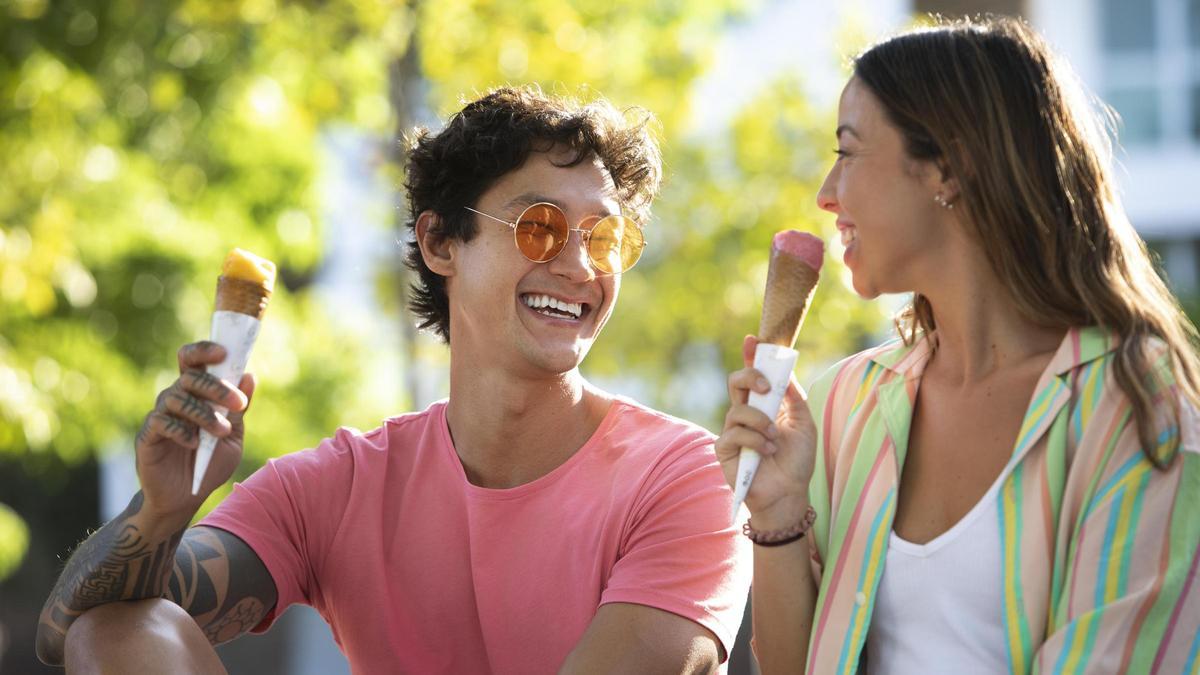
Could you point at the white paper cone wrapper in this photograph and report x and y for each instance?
(776, 364)
(235, 332)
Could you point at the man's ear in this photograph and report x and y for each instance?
(436, 249)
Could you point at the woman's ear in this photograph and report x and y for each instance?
(948, 186)
(436, 249)
(948, 181)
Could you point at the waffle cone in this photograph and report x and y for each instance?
(242, 296)
(790, 285)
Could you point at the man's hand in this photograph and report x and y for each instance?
(166, 444)
(133, 556)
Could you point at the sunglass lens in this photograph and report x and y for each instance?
(541, 232)
(615, 244)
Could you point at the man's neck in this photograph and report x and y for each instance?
(509, 431)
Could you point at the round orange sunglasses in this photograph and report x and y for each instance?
(614, 244)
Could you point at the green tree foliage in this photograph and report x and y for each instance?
(142, 141)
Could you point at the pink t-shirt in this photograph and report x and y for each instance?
(419, 571)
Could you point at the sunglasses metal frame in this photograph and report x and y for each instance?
(584, 235)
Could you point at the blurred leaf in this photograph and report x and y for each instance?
(14, 541)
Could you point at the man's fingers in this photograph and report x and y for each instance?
(247, 386)
(199, 354)
(196, 412)
(209, 387)
(161, 425)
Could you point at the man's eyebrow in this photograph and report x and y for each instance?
(530, 198)
(846, 128)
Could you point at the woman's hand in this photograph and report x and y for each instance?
(778, 497)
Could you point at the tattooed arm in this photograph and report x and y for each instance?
(221, 582)
(211, 573)
(121, 561)
(145, 552)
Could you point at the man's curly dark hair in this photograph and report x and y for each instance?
(494, 135)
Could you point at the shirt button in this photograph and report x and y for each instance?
(860, 598)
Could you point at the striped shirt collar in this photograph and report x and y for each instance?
(1079, 346)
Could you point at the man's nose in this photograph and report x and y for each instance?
(573, 261)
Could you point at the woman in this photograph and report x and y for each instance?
(1014, 485)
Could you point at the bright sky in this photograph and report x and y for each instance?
(812, 38)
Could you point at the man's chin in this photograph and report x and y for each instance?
(563, 359)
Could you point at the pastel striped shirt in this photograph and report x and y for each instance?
(1099, 548)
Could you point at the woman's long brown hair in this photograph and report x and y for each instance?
(990, 103)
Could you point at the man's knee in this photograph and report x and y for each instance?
(146, 636)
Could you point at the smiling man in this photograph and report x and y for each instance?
(531, 523)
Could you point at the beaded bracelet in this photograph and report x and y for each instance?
(781, 537)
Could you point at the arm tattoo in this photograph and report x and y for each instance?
(211, 573)
(116, 563)
(221, 582)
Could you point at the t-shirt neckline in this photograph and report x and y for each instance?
(538, 484)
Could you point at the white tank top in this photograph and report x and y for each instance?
(939, 607)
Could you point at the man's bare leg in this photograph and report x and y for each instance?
(146, 636)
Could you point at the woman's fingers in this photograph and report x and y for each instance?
(730, 444)
(742, 382)
(794, 406)
(753, 418)
(749, 345)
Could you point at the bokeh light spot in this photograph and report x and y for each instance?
(147, 290)
(82, 29)
(100, 164)
(103, 324)
(514, 57)
(75, 386)
(46, 373)
(267, 100)
(294, 227)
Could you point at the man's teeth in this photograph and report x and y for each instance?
(848, 236)
(574, 309)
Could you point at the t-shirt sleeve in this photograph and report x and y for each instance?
(682, 554)
(288, 512)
